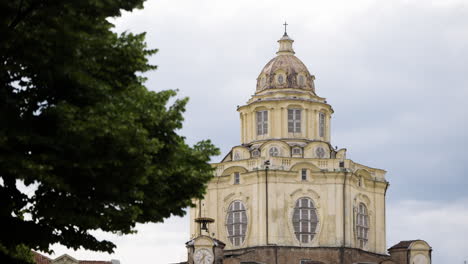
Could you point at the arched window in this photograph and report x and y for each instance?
(274, 152)
(236, 223)
(305, 220)
(362, 225)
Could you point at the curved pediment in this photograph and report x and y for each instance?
(232, 169)
(305, 165)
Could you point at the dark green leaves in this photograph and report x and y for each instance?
(96, 149)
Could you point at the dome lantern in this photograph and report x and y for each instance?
(285, 71)
(285, 47)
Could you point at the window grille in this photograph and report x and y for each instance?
(236, 177)
(305, 220)
(296, 151)
(362, 225)
(321, 124)
(236, 223)
(280, 79)
(262, 122)
(274, 152)
(294, 120)
(255, 153)
(304, 174)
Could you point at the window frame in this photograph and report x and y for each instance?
(307, 219)
(262, 122)
(294, 120)
(322, 122)
(304, 174)
(280, 79)
(301, 80)
(236, 177)
(255, 155)
(237, 229)
(277, 151)
(299, 150)
(362, 225)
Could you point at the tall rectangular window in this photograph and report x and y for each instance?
(294, 120)
(304, 174)
(262, 122)
(236, 177)
(321, 124)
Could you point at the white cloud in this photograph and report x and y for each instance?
(394, 71)
(154, 243)
(444, 225)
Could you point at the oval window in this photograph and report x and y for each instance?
(301, 80)
(305, 220)
(320, 152)
(280, 79)
(236, 223)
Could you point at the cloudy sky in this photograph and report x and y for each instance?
(395, 72)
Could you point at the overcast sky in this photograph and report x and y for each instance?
(394, 71)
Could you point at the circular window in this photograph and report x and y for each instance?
(236, 223)
(274, 151)
(280, 79)
(320, 152)
(300, 80)
(305, 220)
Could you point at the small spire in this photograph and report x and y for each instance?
(285, 42)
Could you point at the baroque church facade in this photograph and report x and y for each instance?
(285, 194)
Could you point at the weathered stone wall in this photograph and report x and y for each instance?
(288, 255)
(399, 255)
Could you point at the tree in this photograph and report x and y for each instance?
(94, 148)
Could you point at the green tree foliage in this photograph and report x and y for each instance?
(94, 147)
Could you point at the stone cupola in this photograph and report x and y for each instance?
(285, 71)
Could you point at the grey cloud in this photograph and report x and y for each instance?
(394, 71)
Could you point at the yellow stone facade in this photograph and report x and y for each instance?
(285, 155)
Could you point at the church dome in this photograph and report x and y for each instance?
(285, 70)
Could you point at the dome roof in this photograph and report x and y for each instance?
(285, 70)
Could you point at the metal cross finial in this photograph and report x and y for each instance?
(285, 25)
